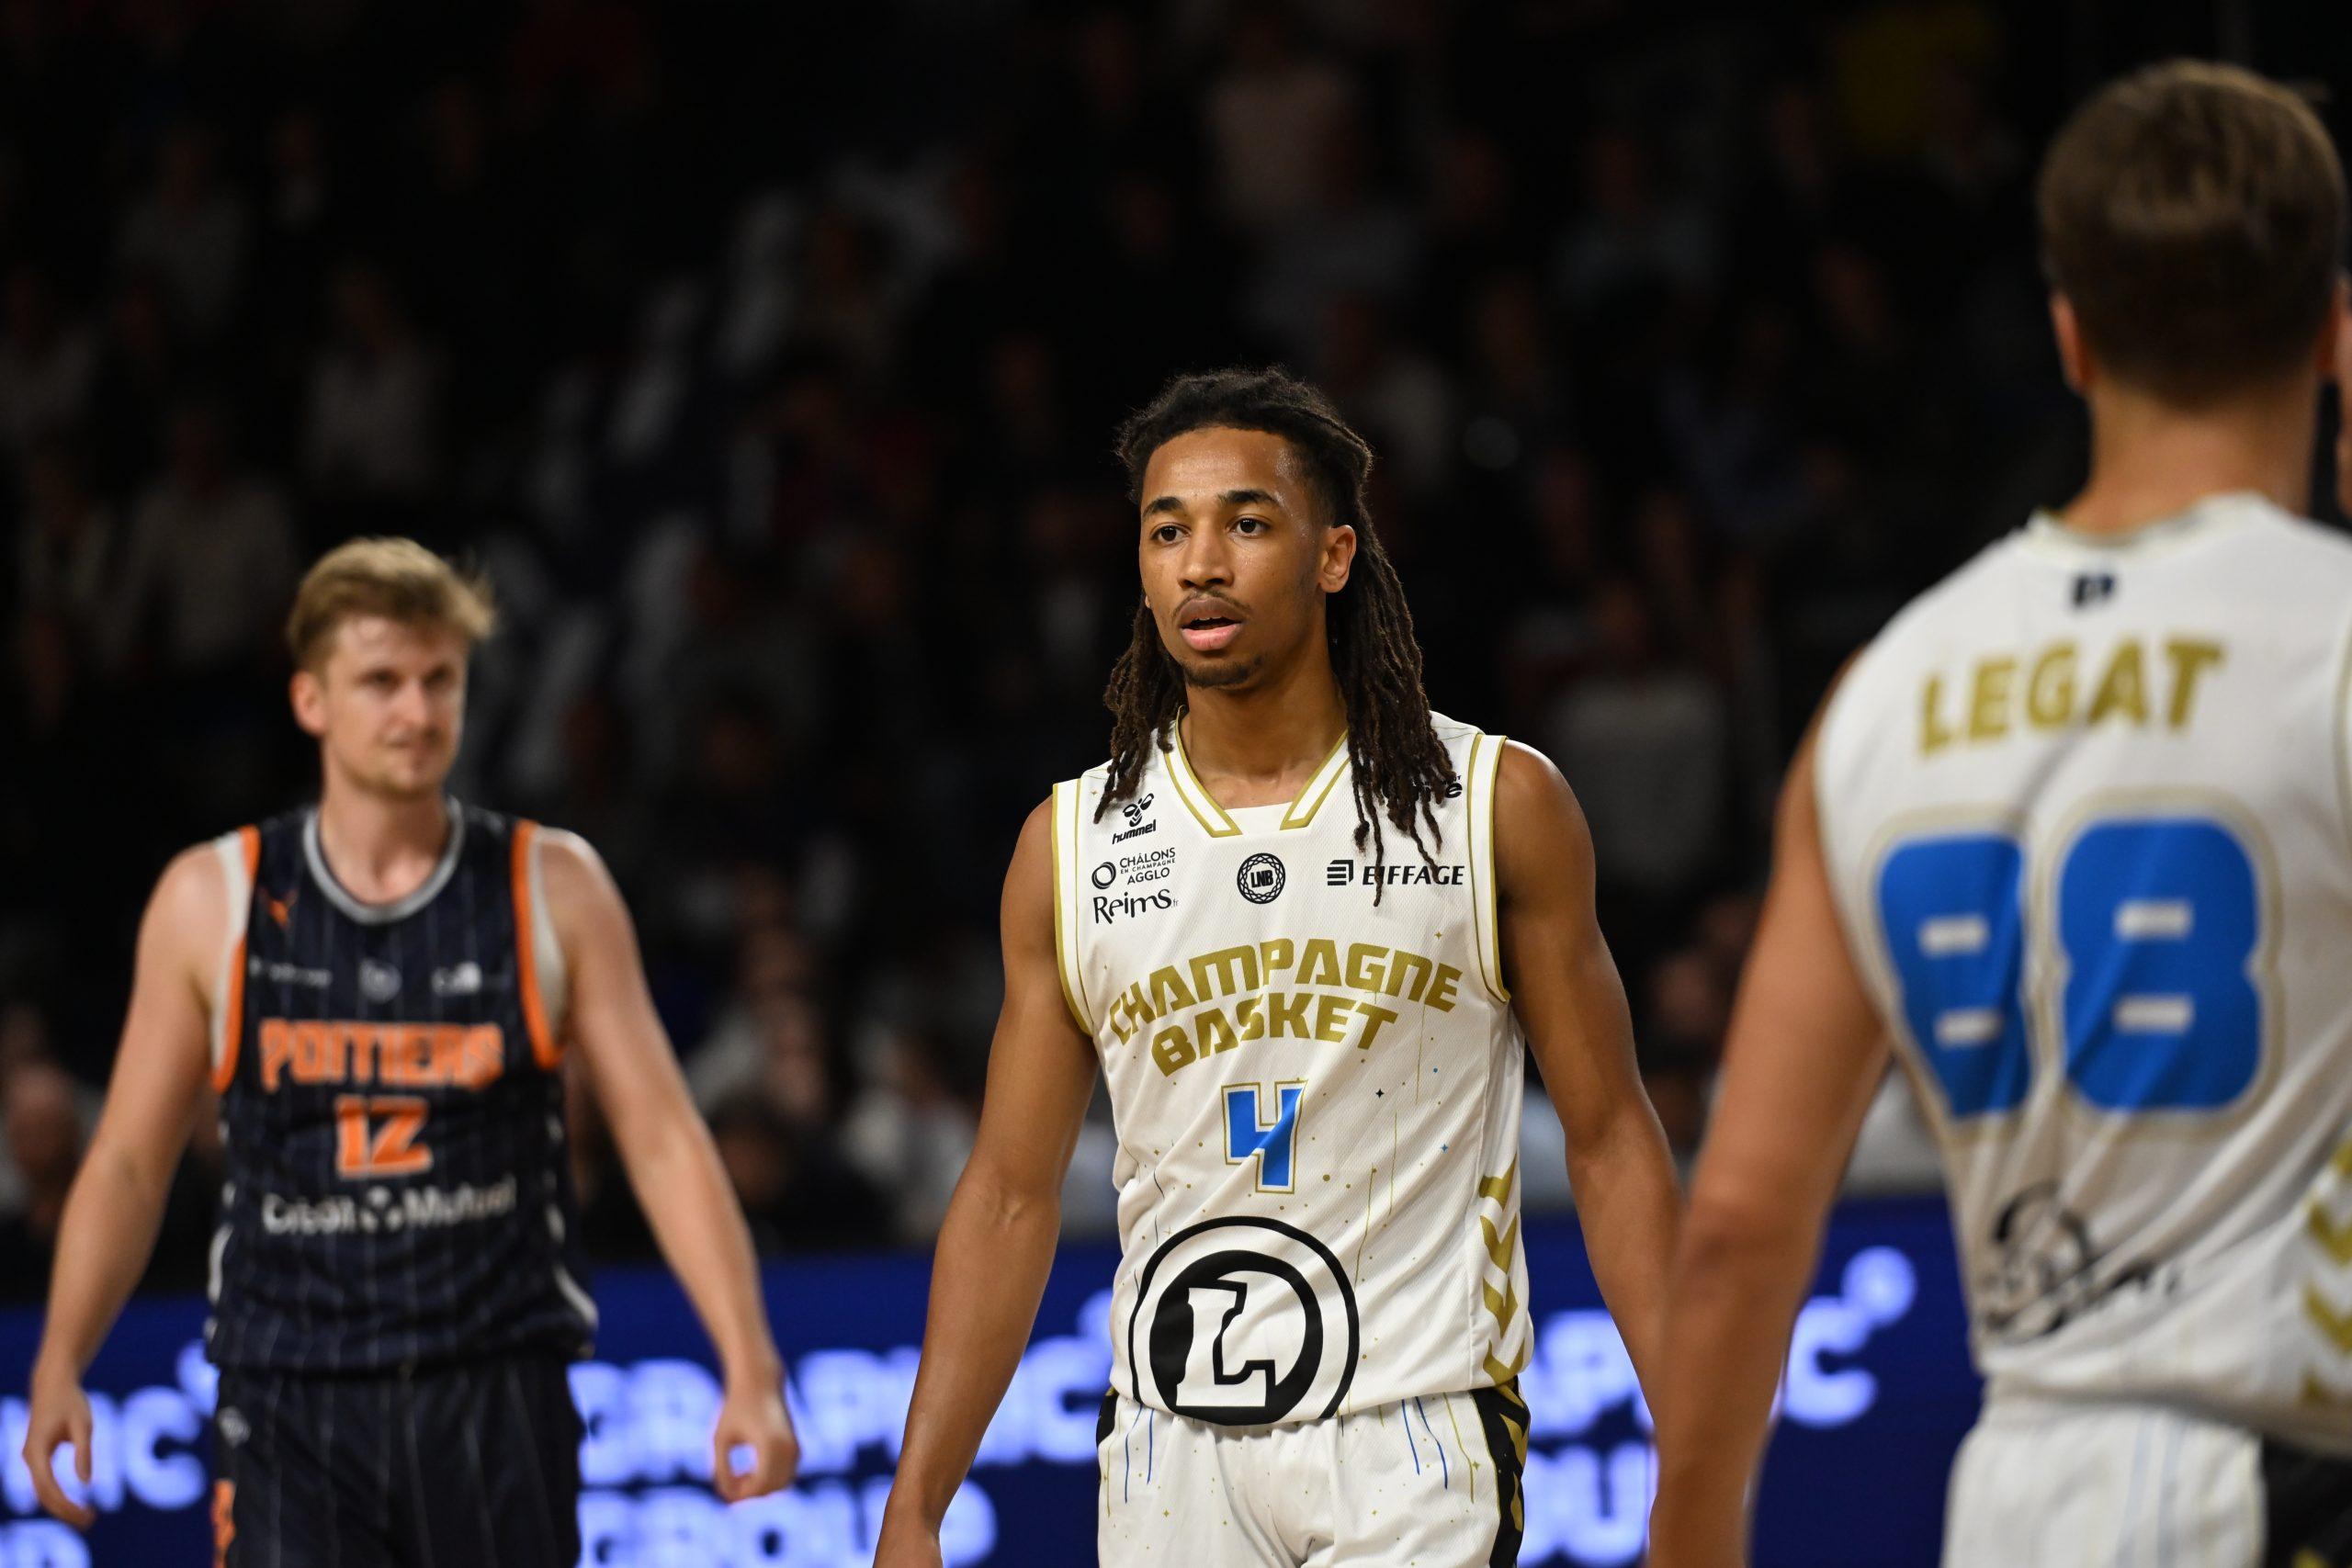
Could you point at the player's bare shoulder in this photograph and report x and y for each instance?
(1540, 828)
(574, 875)
(195, 912)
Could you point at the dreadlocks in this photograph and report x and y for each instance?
(1397, 765)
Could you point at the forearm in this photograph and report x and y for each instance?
(104, 1240)
(995, 1251)
(699, 1227)
(1629, 1208)
(1735, 1290)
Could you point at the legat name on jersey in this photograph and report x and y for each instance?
(2087, 806)
(397, 1187)
(1315, 1079)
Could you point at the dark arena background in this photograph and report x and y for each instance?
(766, 355)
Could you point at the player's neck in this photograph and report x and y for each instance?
(382, 849)
(1258, 745)
(2150, 460)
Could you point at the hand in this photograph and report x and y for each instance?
(753, 1417)
(906, 1542)
(59, 1413)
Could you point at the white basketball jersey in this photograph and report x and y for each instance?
(1317, 1094)
(2088, 811)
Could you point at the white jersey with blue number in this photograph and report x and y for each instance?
(2086, 809)
(1317, 1095)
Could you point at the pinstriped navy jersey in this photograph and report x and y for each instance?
(397, 1188)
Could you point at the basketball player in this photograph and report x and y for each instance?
(2076, 831)
(1305, 924)
(381, 990)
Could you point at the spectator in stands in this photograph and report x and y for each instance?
(212, 557)
(190, 231)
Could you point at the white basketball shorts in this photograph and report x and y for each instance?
(2046, 1485)
(1428, 1483)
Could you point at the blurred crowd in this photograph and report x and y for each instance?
(767, 357)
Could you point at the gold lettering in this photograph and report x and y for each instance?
(1988, 704)
(1169, 992)
(1442, 992)
(2123, 689)
(1278, 953)
(1374, 1018)
(2050, 690)
(1130, 1012)
(1173, 1048)
(1408, 967)
(1252, 1012)
(1217, 1034)
(1319, 964)
(2190, 660)
(1286, 1014)
(1331, 1018)
(1363, 965)
(1934, 733)
(1214, 974)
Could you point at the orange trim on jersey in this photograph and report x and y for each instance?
(224, 1521)
(232, 1004)
(545, 1047)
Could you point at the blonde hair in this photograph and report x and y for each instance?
(398, 578)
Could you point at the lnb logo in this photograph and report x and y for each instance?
(1261, 878)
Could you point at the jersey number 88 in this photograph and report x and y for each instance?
(2157, 933)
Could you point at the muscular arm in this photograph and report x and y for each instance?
(1567, 993)
(671, 1166)
(997, 1245)
(116, 1201)
(1805, 1054)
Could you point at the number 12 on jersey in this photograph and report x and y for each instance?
(1268, 1131)
(2156, 933)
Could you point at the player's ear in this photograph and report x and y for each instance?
(308, 694)
(1338, 560)
(2074, 353)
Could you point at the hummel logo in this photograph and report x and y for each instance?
(463, 980)
(1136, 808)
(2092, 586)
(280, 908)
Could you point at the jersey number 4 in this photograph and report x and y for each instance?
(1268, 1132)
(2154, 943)
(376, 1134)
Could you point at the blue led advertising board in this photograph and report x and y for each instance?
(1877, 1395)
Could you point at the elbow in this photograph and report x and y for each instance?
(998, 1200)
(1725, 1239)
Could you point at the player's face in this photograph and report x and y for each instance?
(1236, 555)
(388, 704)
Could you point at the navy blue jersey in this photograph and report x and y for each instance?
(393, 1109)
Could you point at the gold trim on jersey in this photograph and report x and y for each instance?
(2336, 1326)
(1065, 824)
(1479, 785)
(1318, 788)
(1216, 823)
(1497, 1201)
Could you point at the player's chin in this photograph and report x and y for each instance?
(1221, 670)
(409, 777)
